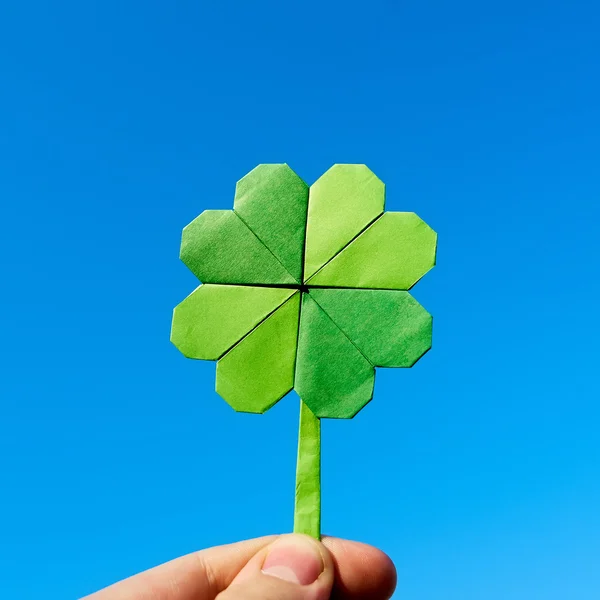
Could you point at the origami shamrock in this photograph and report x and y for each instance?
(305, 288)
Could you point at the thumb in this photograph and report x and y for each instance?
(294, 567)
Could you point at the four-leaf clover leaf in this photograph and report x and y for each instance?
(306, 289)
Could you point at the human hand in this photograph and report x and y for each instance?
(287, 567)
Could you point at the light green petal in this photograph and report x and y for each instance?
(259, 371)
(389, 327)
(215, 317)
(218, 247)
(272, 200)
(393, 253)
(342, 202)
(332, 377)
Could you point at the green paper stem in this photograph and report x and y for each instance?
(307, 509)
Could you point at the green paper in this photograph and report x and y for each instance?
(215, 317)
(259, 370)
(342, 202)
(272, 200)
(393, 253)
(332, 377)
(324, 338)
(218, 247)
(307, 507)
(389, 327)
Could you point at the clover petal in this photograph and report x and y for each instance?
(394, 252)
(215, 317)
(342, 202)
(272, 200)
(258, 371)
(389, 327)
(333, 378)
(218, 247)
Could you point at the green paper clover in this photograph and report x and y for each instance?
(306, 289)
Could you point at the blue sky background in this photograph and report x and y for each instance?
(478, 470)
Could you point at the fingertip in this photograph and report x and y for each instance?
(299, 559)
(362, 571)
(292, 567)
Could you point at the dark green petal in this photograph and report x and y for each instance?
(332, 377)
(272, 200)
(389, 327)
(218, 247)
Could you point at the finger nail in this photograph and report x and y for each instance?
(294, 558)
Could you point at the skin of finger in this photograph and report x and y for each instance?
(197, 576)
(362, 572)
(252, 583)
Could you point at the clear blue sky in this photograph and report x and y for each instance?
(478, 471)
